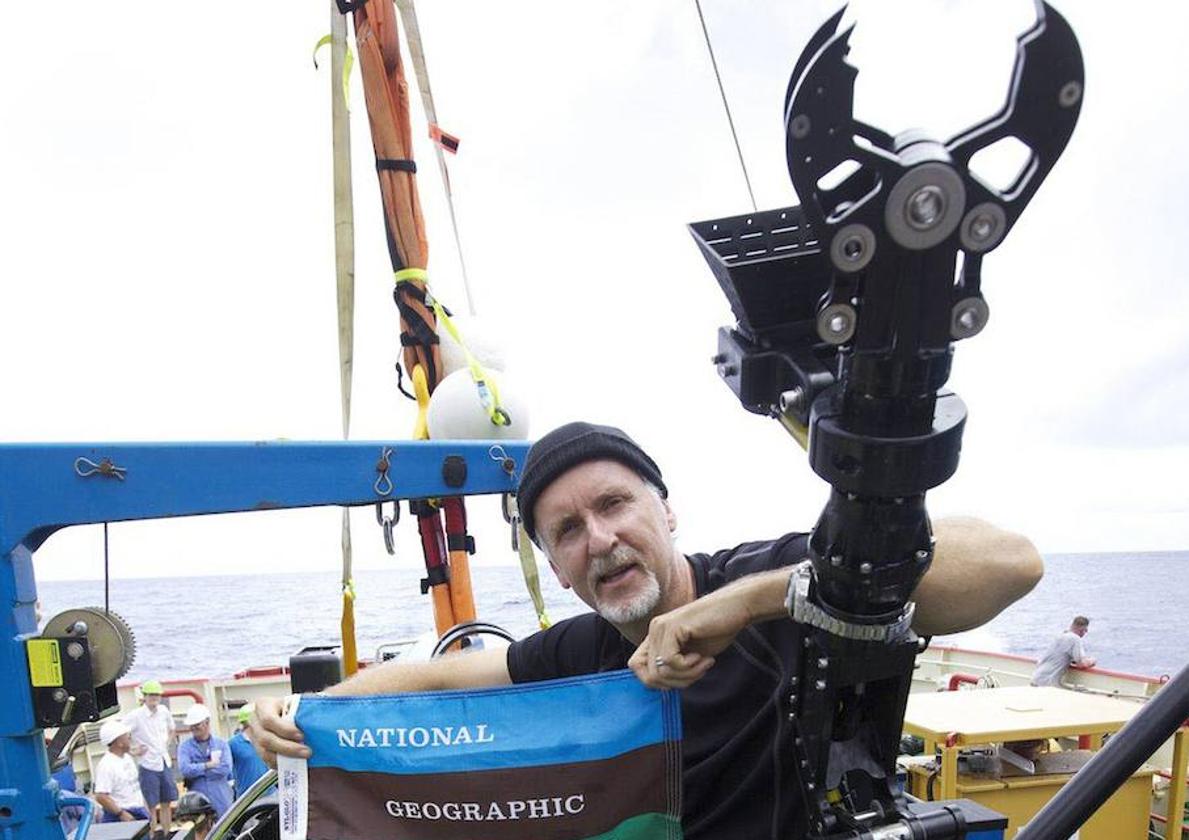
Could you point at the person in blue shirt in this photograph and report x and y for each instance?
(248, 766)
(205, 760)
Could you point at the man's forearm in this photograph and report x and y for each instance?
(479, 669)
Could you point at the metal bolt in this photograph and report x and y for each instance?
(852, 249)
(792, 400)
(969, 317)
(922, 555)
(810, 786)
(77, 629)
(1070, 95)
(982, 227)
(74, 650)
(793, 680)
(799, 127)
(728, 370)
(60, 695)
(718, 358)
(808, 643)
(865, 568)
(823, 662)
(836, 560)
(926, 206)
(804, 764)
(838, 324)
(820, 685)
(792, 717)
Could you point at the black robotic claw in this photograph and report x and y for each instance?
(847, 309)
(910, 191)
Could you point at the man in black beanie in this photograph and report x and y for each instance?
(596, 503)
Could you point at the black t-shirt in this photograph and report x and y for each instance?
(739, 777)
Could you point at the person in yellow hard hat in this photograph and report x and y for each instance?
(246, 765)
(153, 733)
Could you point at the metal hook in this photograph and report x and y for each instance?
(386, 524)
(85, 467)
(512, 516)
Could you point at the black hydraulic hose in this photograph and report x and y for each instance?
(1123, 754)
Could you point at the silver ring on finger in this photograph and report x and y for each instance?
(660, 662)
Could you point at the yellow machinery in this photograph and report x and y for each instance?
(958, 720)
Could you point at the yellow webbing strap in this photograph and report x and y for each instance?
(489, 392)
(528, 565)
(421, 392)
(347, 625)
(411, 274)
(348, 63)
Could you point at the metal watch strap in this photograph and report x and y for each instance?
(801, 609)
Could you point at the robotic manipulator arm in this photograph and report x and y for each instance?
(848, 307)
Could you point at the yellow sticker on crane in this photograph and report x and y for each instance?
(45, 662)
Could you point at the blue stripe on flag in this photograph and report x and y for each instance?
(585, 718)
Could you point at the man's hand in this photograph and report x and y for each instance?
(125, 816)
(274, 735)
(681, 644)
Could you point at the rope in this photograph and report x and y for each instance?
(725, 105)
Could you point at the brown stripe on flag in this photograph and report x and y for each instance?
(553, 802)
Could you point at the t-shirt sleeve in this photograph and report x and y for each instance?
(575, 646)
(730, 564)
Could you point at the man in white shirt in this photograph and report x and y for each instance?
(152, 732)
(1066, 651)
(117, 784)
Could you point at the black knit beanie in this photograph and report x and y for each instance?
(570, 445)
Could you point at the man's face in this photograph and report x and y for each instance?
(152, 701)
(1081, 629)
(201, 731)
(609, 538)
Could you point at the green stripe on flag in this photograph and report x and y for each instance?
(644, 827)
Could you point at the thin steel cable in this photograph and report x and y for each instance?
(106, 575)
(726, 106)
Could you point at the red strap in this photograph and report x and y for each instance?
(447, 141)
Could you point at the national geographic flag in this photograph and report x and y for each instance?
(594, 757)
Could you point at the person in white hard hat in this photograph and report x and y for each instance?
(117, 782)
(204, 760)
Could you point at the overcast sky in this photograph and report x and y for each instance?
(168, 264)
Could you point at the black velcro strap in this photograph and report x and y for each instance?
(396, 165)
(348, 6)
(435, 577)
(460, 542)
(407, 340)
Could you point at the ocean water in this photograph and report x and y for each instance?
(214, 626)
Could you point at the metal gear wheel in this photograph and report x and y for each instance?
(112, 642)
